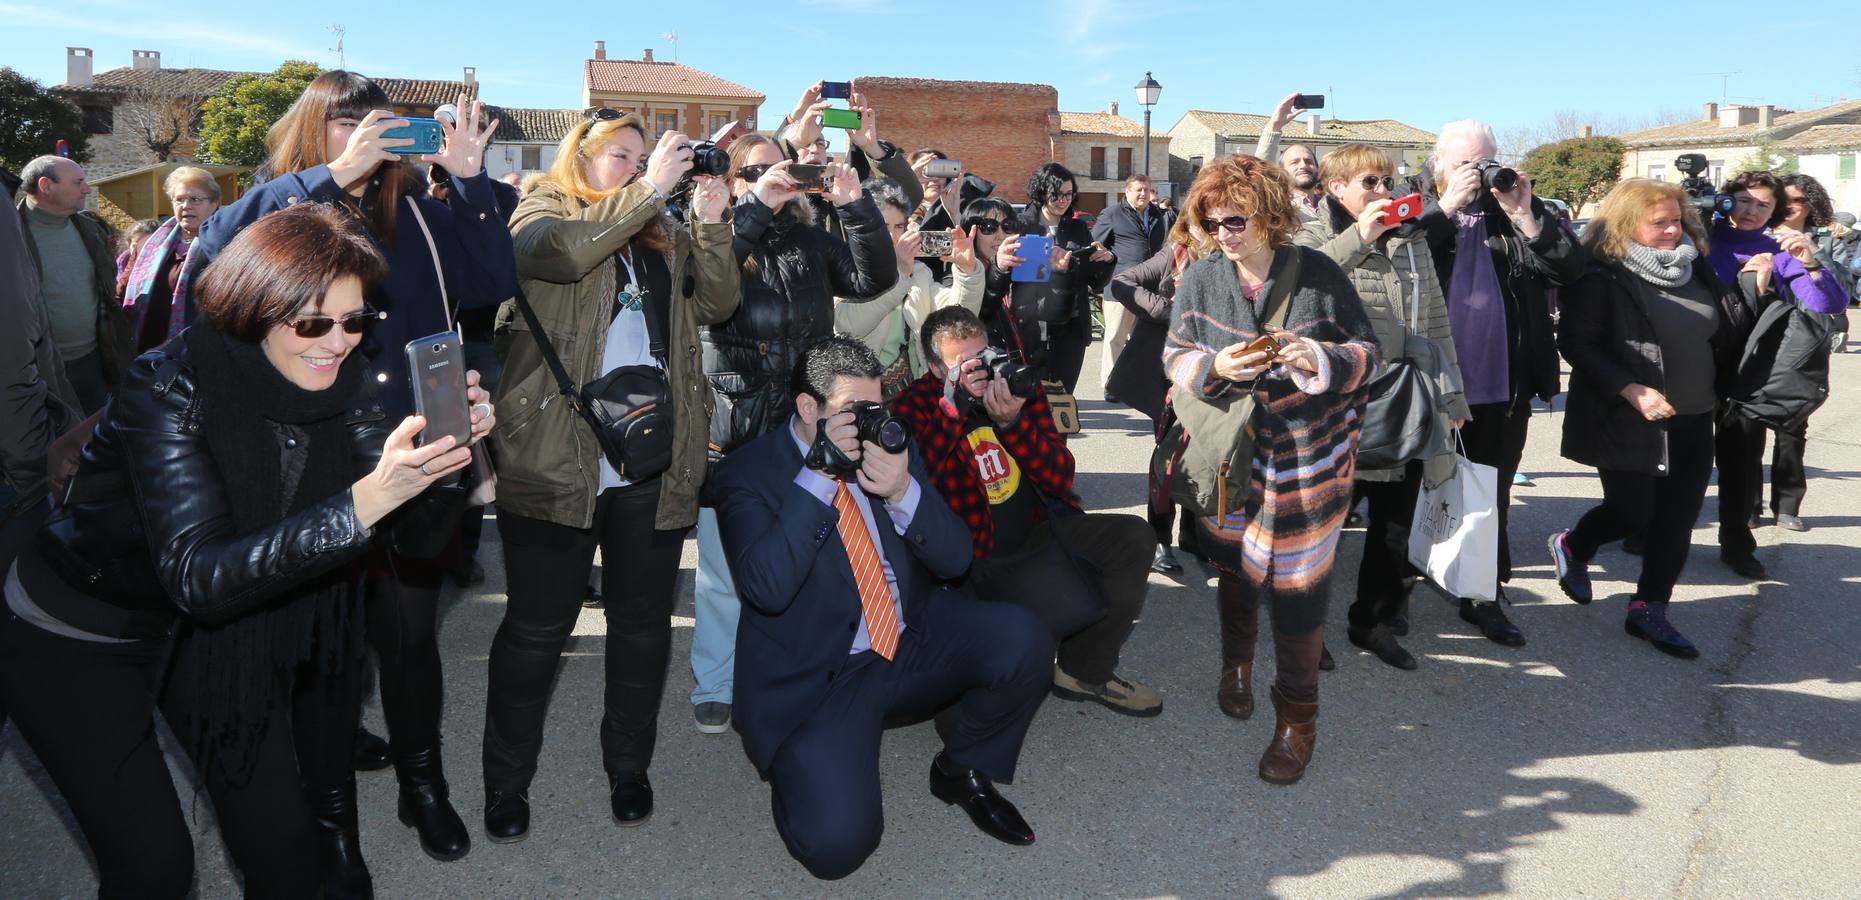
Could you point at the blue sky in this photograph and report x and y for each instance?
(1511, 64)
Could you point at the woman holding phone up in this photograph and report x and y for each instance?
(214, 532)
(331, 147)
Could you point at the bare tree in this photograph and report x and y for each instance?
(159, 120)
(1564, 124)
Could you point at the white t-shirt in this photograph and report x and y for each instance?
(628, 344)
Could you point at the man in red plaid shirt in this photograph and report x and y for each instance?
(1000, 463)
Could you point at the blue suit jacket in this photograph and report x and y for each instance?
(800, 604)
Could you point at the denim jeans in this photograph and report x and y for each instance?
(714, 597)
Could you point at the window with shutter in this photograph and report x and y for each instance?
(1098, 163)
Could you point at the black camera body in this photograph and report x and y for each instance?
(1023, 381)
(875, 424)
(1702, 196)
(1496, 176)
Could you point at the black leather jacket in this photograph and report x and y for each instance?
(148, 462)
(788, 303)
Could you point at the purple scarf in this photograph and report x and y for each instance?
(1732, 248)
(162, 244)
(1476, 309)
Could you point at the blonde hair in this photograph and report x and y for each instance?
(1257, 189)
(191, 176)
(1348, 160)
(1610, 233)
(569, 172)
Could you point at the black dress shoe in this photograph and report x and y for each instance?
(1164, 561)
(592, 599)
(1747, 566)
(371, 752)
(631, 796)
(507, 816)
(973, 791)
(1492, 622)
(426, 806)
(1399, 621)
(1325, 662)
(339, 845)
(1379, 641)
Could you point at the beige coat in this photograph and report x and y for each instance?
(547, 457)
(897, 314)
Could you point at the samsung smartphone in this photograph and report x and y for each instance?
(425, 132)
(836, 90)
(933, 243)
(810, 178)
(1309, 101)
(437, 365)
(1037, 252)
(840, 118)
(1402, 209)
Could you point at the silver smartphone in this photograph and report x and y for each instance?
(437, 366)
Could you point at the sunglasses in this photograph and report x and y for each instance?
(602, 113)
(318, 326)
(990, 226)
(1064, 195)
(1236, 224)
(1369, 182)
(751, 173)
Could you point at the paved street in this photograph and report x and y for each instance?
(1584, 764)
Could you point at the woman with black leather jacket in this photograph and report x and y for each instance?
(1055, 317)
(792, 271)
(212, 532)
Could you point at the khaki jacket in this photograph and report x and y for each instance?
(547, 457)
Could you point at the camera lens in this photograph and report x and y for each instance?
(891, 435)
(438, 347)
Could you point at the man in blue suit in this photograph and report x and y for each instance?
(840, 551)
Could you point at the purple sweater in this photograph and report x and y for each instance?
(1731, 248)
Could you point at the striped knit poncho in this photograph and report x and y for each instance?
(1285, 536)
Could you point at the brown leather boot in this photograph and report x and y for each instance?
(1236, 694)
(1295, 731)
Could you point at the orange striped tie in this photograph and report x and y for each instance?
(875, 596)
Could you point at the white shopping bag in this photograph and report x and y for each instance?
(1455, 536)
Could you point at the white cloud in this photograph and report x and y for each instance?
(177, 32)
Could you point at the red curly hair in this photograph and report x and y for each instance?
(1255, 188)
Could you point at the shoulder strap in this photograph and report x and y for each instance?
(439, 271)
(1279, 298)
(563, 382)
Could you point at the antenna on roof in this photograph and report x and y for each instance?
(339, 31)
(1725, 84)
(672, 36)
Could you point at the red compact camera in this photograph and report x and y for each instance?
(1402, 209)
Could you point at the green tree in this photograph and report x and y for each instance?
(234, 120)
(1766, 157)
(1577, 171)
(35, 120)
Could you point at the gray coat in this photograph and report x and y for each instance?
(37, 404)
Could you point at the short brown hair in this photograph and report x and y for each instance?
(1259, 190)
(953, 323)
(283, 264)
(1609, 234)
(1136, 179)
(1348, 160)
(1743, 182)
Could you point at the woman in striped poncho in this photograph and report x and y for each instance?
(1280, 543)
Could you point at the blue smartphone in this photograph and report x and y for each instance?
(836, 90)
(1037, 251)
(425, 132)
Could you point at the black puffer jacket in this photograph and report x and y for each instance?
(151, 448)
(794, 272)
(1606, 335)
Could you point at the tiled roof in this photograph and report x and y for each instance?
(178, 82)
(620, 76)
(1102, 123)
(423, 91)
(1824, 138)
(533, 126)
(1783, 122)
(1373, 131)
(956, 87)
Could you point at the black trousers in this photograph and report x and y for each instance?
(1788, 481)
(1116, 550)
(1738, 450)
(1663, 509)
(1161, 509)
(1385, 547)
(825, 792)
(547, 566)
(1064, 352)
(86, 710)
(402, 605)
(1495, 436)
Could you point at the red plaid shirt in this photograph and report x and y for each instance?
(1032, 440)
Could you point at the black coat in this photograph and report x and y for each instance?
(1610, 342)
(1121, 230)
(1148, 290)
(1526, 269)
(788, 303)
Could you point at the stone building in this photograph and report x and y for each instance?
(1201, 135)
(1102, 149)
(1825, 143)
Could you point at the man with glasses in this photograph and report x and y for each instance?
(70, 249)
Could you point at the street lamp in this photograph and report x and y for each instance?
(1148, 91)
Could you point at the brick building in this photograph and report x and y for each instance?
(1103, 149)
(1000, 131)
(1202, 135)
(669, 96)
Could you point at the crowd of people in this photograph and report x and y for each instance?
(869, 437)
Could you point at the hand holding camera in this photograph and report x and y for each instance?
(864, 438)
(1283, 114)
(990, 373)
(1295, 352)
(484, 415)
(866, 136)
(368, 148)
(774, 188)
(1799, 245)
(1003, 404)
(710, 199)
(963, 249)
(1463, 184)
(1100, 254)
(669, 162)
(1371, 222)
(1242, 363)
(845, 187)
(884, 473)
(1007, 255)
(463, 152)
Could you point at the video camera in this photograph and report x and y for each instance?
(1702, 195)
(1022, 381)
(875, 424)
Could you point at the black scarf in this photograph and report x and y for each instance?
(241, 669)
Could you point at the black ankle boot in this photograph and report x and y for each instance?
(426, 807)
(339, 846)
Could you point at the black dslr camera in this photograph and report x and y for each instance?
(875, 424)
(1496, 176)
(1022, 381)
(1702, 196)
(710, 157)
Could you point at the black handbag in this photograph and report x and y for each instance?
(1402, 418)
(630, 408)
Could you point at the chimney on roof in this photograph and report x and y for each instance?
(600, 49)
(1311, 125)
(1586, 131)
(1712, 112)
(78, 62)
(145, 60)
(471, 79)
(649, 55)
(1113, 108)
(1764, 116)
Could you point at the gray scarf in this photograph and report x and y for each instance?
(1663, 268)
